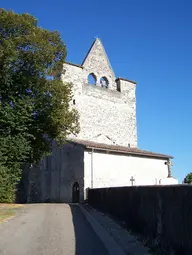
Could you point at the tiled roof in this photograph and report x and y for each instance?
(119, 149)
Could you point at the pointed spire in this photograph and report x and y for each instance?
(97, 61)
(92, 46)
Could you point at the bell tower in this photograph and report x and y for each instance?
(106, 104)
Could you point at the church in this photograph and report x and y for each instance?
(105, 152)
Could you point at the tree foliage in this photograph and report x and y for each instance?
(34, 102)
(188, 178)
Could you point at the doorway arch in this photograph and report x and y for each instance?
(75, 193)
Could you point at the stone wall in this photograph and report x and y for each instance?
(103, 112)
(53, 178)
(98, 63)
(161, 214)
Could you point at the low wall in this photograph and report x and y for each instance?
(159, 213)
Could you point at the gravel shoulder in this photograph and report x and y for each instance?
(127, 241)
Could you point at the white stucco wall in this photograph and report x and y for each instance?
(110, 170)
(169, 181)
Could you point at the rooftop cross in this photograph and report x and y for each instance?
(132, 180)
(96, 37)
(169, 164)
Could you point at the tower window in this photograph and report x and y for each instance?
(104, 82)
(92, 79)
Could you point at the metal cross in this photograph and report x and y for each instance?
(132, 180)
(169, 164)
(96, 37)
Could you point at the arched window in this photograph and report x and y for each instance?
(92, 79)
(104, 82)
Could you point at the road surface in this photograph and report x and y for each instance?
(49, 229)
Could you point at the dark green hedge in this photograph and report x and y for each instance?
(8, 182)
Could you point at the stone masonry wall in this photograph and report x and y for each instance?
(105, 113)
(53, 178)
(97, 62)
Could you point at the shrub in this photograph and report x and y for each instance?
(8, 182)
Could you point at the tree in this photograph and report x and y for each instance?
(188, 179)
(34, 102)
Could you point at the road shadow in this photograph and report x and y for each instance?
(87, 242)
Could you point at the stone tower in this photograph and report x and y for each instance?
(106, 104)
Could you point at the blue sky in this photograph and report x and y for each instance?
(147, 41)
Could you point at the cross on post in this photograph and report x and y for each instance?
(96, 37)
(169, 164)
(132, 180)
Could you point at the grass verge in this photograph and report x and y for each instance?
(8, 210)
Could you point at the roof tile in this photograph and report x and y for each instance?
(120, 149)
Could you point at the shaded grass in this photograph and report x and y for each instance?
(8, 210)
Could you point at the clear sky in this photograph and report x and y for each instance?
(146, 41)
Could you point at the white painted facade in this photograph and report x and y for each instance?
(113, 170)
(169, 181)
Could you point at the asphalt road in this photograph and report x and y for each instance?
(49, 229)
